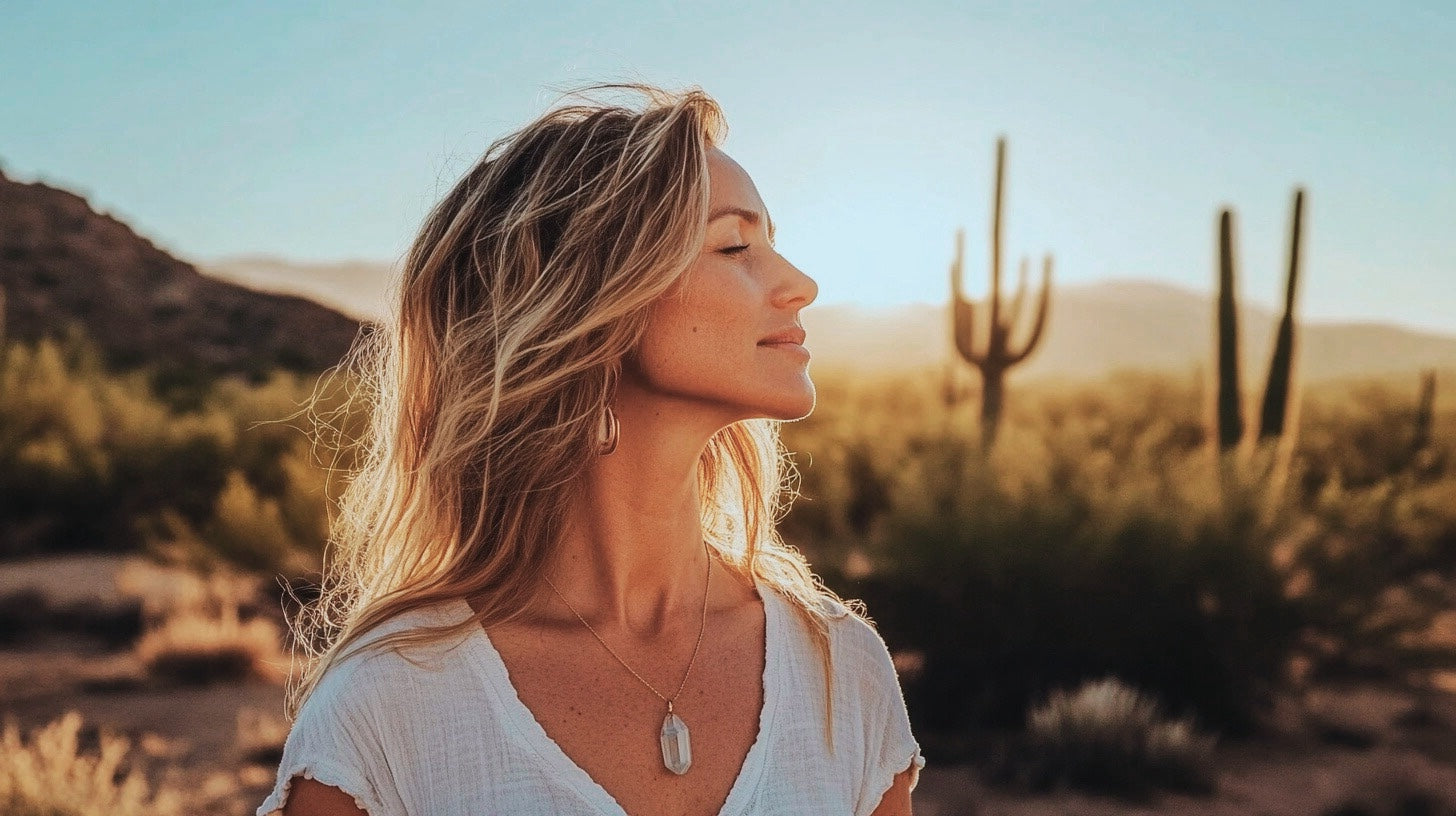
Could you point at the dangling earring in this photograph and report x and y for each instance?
(607, 431)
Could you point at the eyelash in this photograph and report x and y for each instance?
(733, 250)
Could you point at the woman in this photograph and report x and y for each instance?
(557, 588)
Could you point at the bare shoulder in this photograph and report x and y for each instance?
(896, 801)
(310, 797)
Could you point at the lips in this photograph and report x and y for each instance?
(791, 334)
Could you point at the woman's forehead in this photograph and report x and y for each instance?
(730, 184)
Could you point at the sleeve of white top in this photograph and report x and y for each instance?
(892, 747)
(331, 741)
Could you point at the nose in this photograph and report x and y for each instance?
(796, 288)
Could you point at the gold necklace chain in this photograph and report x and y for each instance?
(701, 627)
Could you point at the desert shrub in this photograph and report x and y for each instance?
(1108, 738)
(1101, 537)
(1372, 576)
(205, 641)
(30, 615)
(193, 650)
(49, 775)
(22, 616)
(247, 528)
(1361, 433)
(1054, 562)
(93, 460)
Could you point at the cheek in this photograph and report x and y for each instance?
(695, 340)
(704, 335)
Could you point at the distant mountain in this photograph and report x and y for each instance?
(357, 288)
(1092, 329)
(1096, 328)
(61, 262)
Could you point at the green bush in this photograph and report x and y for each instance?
(96, 461)
(1100, 538)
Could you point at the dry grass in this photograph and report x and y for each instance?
(195, 635)
(48, 775)
(193, 647)
(1108, 738)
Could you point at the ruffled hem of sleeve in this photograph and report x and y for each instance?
(884, 776)
(327, 773)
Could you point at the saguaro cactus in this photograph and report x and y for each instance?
(1230, 394)
(1276, 390)
(1425, 412)
(997, 357)
(1274, 415)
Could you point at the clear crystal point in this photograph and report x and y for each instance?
(677, 751)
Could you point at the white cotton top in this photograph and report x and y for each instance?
(415, 739)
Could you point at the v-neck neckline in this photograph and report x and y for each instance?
(490, 663)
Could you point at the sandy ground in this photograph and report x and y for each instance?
(67, 580)
(194, 738)
(219, 743)
(1252, 782)
(193, 734)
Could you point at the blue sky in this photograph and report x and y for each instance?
(324, 131)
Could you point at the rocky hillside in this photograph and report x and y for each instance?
(61, 261)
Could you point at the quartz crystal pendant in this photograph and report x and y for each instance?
(677, 752)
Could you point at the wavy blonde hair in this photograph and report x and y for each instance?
(527, 284)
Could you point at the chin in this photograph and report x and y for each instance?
(790, 409)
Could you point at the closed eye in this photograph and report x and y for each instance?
(733, 250)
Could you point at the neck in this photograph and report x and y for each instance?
(632, 555)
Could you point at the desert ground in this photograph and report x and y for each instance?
(219, 742)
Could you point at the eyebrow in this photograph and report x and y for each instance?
(747, 215)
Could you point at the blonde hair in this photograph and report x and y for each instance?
(528, 283)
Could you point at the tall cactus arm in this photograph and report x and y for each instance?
(1042, 308)
(963, 312)
(1230, 411)
(1018, 301)
(1425, 411)
(997, 327)
(957, 272)
(1296, 236)
(1276, 390)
